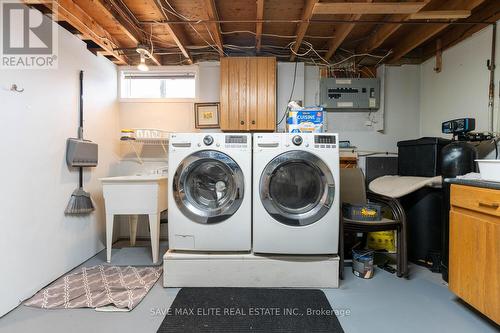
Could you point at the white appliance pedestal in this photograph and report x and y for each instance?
(237, 269)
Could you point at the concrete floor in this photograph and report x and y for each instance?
(382, 304)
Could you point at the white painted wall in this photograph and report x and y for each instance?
(400, 107)
(461, 89)
(38, 243)
(173, 116)
(284, 87)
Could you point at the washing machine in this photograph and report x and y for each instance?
(296, 193)
(209, 192)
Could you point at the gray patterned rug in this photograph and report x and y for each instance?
(98, 286)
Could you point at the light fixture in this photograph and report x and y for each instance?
(143, 54)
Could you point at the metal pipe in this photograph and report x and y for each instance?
(340, 21)
(491, 67)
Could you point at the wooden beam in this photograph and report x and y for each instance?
(258, 27)
(441, 15)
(455, 34)
(341, 34)
(177, 33)
(384, 32)
(215, 27)
(123, 23)
(329, 8)
(420, 35)
(302, 27)
(70, 12)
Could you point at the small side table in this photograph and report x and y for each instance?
(133, 196)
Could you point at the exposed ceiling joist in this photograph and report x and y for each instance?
(341, 34)
(420, 35)
(329, 8)
(307, 13)
(123, 21)
(70, 12)
(456, 34)
(178, 35)
(215, 27)
(441, 15)
(384, 32)
(258, 27)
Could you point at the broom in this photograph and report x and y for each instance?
(80, 201)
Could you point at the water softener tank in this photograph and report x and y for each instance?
(457, 158)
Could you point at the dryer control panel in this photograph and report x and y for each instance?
(311, 140)
(325, 141)
(298, 141)
(237, 141)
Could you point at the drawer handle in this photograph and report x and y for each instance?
(493, 205)
(242, 122)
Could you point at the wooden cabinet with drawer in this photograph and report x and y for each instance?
(248, 94)
(474, 268)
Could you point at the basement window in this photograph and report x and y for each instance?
(157, 85)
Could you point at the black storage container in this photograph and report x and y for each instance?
(423, 217)
(421, 157)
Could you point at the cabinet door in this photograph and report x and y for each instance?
(262, 93)
(233, 95)
(248, 94)
(475, 260)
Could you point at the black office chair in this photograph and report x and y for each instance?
(353, 191)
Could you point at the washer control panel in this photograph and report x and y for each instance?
(237, 141)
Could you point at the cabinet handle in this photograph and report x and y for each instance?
(253, 122)
(493, 205)
(242, 122)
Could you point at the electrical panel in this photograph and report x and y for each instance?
(350, 94)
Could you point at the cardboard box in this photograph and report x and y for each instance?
(306, 120)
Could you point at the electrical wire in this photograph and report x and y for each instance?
(272, 35)
(179, 15)
(291, 95)
(311, 48)
(360, 55)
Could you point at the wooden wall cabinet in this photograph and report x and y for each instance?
(248, 94)
(474, 267)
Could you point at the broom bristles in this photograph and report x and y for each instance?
(79, 203)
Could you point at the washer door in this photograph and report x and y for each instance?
(297, 188)
(208, 186)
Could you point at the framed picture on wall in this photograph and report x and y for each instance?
(206, 115)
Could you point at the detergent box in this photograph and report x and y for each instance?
(306, 120)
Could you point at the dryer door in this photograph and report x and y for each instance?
(208, 186)
(297, 188)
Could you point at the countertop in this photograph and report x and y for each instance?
(474, 182)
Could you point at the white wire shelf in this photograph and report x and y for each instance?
(147, 137)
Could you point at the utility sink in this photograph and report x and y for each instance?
(133, 178)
